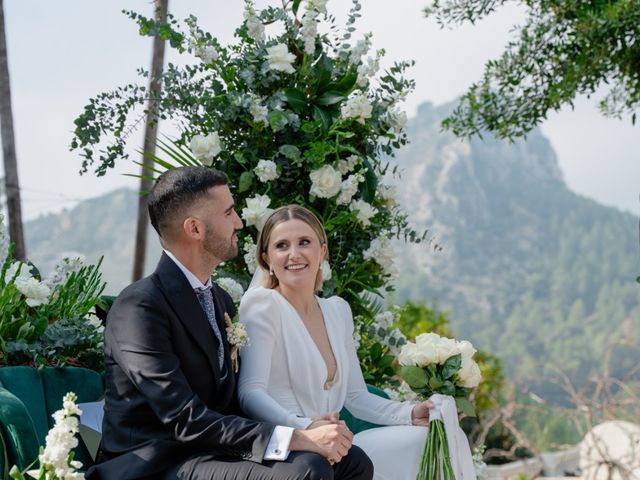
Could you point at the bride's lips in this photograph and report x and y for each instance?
(296, 267)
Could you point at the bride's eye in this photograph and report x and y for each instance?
(280, 245)
(304, 241)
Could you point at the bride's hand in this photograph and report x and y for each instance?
(324, 419)
(420, 413)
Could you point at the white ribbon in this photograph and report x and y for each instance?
(444, 409)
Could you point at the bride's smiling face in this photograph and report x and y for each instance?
(295, 254)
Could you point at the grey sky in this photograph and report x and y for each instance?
(62, 53)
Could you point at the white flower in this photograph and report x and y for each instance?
(257, 211)
(469, 374)
(349, 188)
(402, 393)
(70, 263)
(364, 211)
(279, 58)
(233, 288)
(384, 319)
(237, 335)
(259, 112)
(309, 30)
(255, 28)
(357, 106)
(325, 268)
(367, 69)
(266, 170)
(319, 5)
(249, 248)
(439, 348)
(361, 48)
(207, 54)
(381, 251)
(388, 193)
(61, 440)
(397, 120)
(36, 292)
(95, 322)
(17, 268)
(206, 148)
(346, 166)
(466, 350)
(325, 182)
(357, 338)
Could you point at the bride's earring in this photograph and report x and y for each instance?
(271, 272)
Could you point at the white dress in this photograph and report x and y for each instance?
(283, 374)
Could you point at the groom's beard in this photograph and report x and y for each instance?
(222, 248)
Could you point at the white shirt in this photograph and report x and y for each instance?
(278, 447)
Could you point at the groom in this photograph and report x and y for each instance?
(171, 408)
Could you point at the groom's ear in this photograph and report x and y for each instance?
(193, 228)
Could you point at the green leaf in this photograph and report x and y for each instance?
(346, 83)
(295, 5)
(447, 388)
(324, 116)
(296, 99)
(415, 377)
(370, 184)
(465, 406)
(322, 72)
(451, 366)
(435, 383)
(245, 182)
(330, 98)
(290, 151)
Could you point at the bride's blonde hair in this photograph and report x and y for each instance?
(279, 215)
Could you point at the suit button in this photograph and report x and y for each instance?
(277, 451)
(246, 455)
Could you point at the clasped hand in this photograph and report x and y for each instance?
(329, 436)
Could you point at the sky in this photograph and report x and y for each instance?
(63, 53)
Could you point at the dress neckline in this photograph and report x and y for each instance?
(327, 383)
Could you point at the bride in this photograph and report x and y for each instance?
(302, 367)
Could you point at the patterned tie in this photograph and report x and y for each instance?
(205, 297)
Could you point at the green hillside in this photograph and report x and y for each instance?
(529, 270)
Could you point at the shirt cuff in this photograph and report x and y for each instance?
(278, 447)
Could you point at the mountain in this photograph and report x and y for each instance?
(101, 226)
(528, 269)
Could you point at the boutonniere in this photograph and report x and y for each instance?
(237, 337)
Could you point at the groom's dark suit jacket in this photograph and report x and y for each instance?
(164, 400)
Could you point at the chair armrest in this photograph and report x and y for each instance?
(17, 430)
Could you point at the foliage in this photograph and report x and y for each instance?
(563, 49)
(299, 116)
(49, 321)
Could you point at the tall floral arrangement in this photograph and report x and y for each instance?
(49, 320)
(295, 110)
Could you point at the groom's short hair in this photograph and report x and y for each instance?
(176, 191)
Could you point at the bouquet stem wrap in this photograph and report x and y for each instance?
(446, 454)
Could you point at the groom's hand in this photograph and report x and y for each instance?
(332, 441)
(420, 413)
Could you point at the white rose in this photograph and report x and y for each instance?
(266, 170)
(364, 211)
(358, 107)
(206, 148)
(207, 54)
(36, 293)
(446, 348)
(233, 288)
(325, 182)
(469, 374)
(407, 354)
(325, 268)
(257, 211)
(397, 119)
(279, 58)
(259, 112)
(466, 349)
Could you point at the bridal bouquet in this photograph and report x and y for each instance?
(439, 365)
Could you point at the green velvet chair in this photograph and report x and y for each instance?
(28, 398)
(355, 424)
